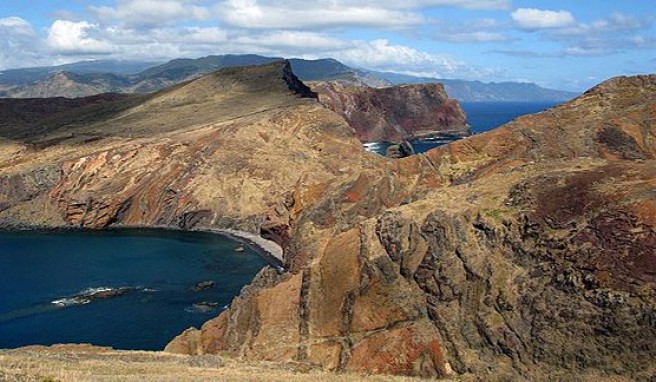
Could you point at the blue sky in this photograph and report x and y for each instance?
(560, 44)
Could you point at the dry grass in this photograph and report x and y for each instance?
(87, 363)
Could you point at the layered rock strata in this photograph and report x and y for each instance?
(395, 113)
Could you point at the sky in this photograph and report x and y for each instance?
(570, 45)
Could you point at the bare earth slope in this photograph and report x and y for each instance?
(523, 253)
(215, 151)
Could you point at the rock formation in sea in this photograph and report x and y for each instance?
(394, 113)
(525, 252)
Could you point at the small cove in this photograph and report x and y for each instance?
(482, 117)
(125, 288)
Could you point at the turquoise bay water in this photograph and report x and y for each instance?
(161, 269)
(482, 117)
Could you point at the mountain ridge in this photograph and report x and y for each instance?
(23, 85)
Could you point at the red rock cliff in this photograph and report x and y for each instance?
(394, 113)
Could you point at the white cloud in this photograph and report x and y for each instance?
(16, 23)
(19, 43)
(615, 24)
(534, 19)
(474, 31)
(152, 13)
(294, 41)
(418, 4)
(478, 36)
(383, 56)
(615, 34)
(68, 37)
(286, 15)
(298, 14)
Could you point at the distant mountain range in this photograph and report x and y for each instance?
(103, 76)
(477, 91)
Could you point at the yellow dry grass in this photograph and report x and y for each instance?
(87, 363)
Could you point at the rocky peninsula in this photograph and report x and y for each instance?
(394, 113)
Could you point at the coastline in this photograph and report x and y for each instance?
(269, 250)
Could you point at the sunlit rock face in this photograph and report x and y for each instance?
(394, 113)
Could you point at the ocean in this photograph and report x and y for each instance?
(482, 117)
(55, 287)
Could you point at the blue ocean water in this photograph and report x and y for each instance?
(485, 116)
(482, 117)
(163, 267)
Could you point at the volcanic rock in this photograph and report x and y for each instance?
(394, 113)
(400, 150)
(204, 285)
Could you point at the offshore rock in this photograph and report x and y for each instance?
(400, 150)
(394, 113)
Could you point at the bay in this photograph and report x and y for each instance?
(482, 117)
(45, 276)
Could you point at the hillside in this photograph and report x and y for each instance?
(523, 253)
(24, 76)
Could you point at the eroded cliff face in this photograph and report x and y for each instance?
(223, 150)
(394, 113)
(526, 252)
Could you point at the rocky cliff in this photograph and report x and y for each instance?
(394, 113)
(527, 252)
(524, 253)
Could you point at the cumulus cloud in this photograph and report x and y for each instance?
(383, 56)
(614, 34)
(151, 13)
(475, 31)
(19, 43)
(255, 15)
(288, 42)
(418, 4)
(534, 19)
(69, 37)
(298, 14)
(616, 23)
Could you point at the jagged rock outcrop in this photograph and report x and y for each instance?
(394, 113)
(522, 253)
(400, 150)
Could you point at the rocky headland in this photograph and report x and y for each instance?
(527, 252)
(394, 113)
